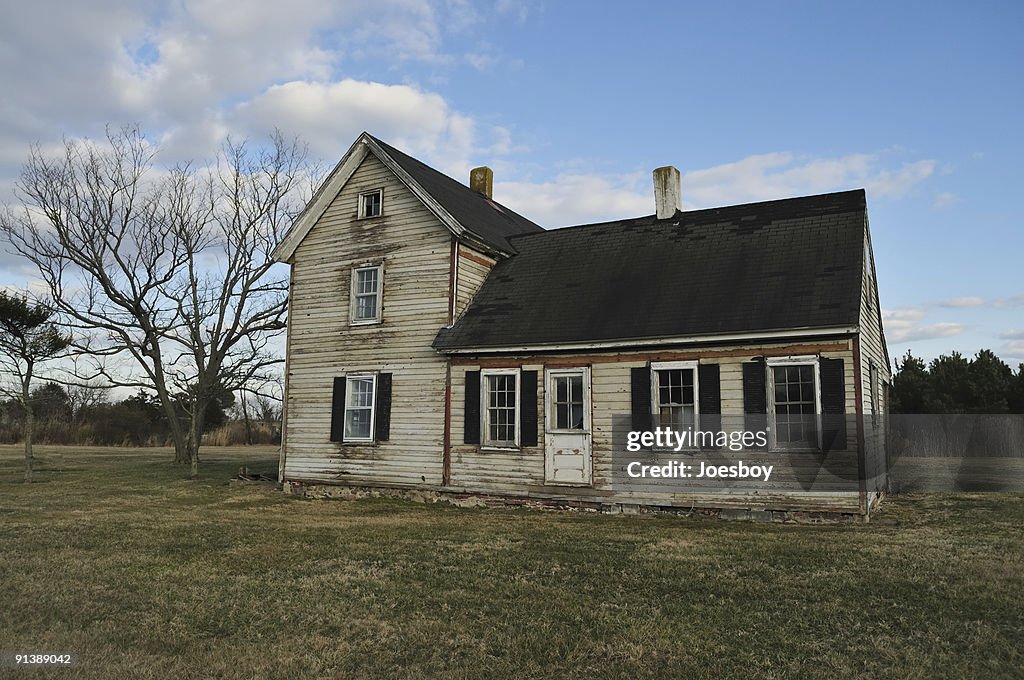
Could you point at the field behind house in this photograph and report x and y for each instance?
(115, 558)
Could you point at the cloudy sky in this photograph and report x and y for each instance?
(919, 103)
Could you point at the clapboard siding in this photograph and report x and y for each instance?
(473, 267)
(873, 352)
(475, 469)
(414, 249)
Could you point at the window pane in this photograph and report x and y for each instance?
(577, 417)
(357, 424)
(795, 417)
(561, 416)
(366, 307)
(366, 281)
(360, 392)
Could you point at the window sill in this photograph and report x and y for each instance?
(369, 217)
(491, 447)
(368, 322)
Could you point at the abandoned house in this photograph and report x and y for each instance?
(439, 341)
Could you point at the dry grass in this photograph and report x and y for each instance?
(119, 560)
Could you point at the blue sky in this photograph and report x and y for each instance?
(574, 103)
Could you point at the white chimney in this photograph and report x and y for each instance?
(666, 192)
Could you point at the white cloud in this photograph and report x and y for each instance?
(582, 197)
(944, 199)
(1014, 348)
(577, 199)
(782, 174)
(1012, 301)
(903, 325)
(962, 302)
(1012, 335)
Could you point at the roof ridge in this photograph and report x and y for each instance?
(684, 214)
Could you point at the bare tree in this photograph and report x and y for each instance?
(83, 397)
(28, 337)
(167, 275)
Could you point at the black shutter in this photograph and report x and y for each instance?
(471, 409)
(382, 415)
(528, 408)
(833, 404)
(338, 410)
(640, 395)
(755, 397)
(710, 398)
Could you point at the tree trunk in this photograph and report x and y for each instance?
(245, 418)
(195, 437)
(182, 455)
(30, 426)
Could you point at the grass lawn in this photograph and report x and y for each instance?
(115, 557)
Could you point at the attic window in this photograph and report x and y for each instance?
(370, 203)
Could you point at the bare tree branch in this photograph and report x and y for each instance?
(165, 276)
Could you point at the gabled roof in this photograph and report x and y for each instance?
(469, 215)
(486, 218)
(789, 266)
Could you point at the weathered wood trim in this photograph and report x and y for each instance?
(453, 280)
(630, 343)
(861, 450)
(446, 452)
(473, 257)
(284, 395)
(576, 361)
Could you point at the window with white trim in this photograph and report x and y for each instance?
(568, 401)
(500, 412)
(370, 203)
(794, 402)
(674, 394)
(367, 285)
(360, 393)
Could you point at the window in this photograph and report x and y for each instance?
(794, 402)
(359, 403)
(366, 294)
(500, 408)
(370, 203)
(674, 394)
(568, 401)
(873, 389)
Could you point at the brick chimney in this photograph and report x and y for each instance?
(481, 180)
(666, 192)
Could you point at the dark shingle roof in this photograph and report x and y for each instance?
(793, 263)
(489, 220)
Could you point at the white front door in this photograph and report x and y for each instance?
(567, 429)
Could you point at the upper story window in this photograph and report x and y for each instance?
(367, 285)
(674, 387)
(794, 400)
(370, 203)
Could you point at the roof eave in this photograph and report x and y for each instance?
(773, 335)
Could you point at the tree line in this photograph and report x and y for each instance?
(85, 416)
(952, 383)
